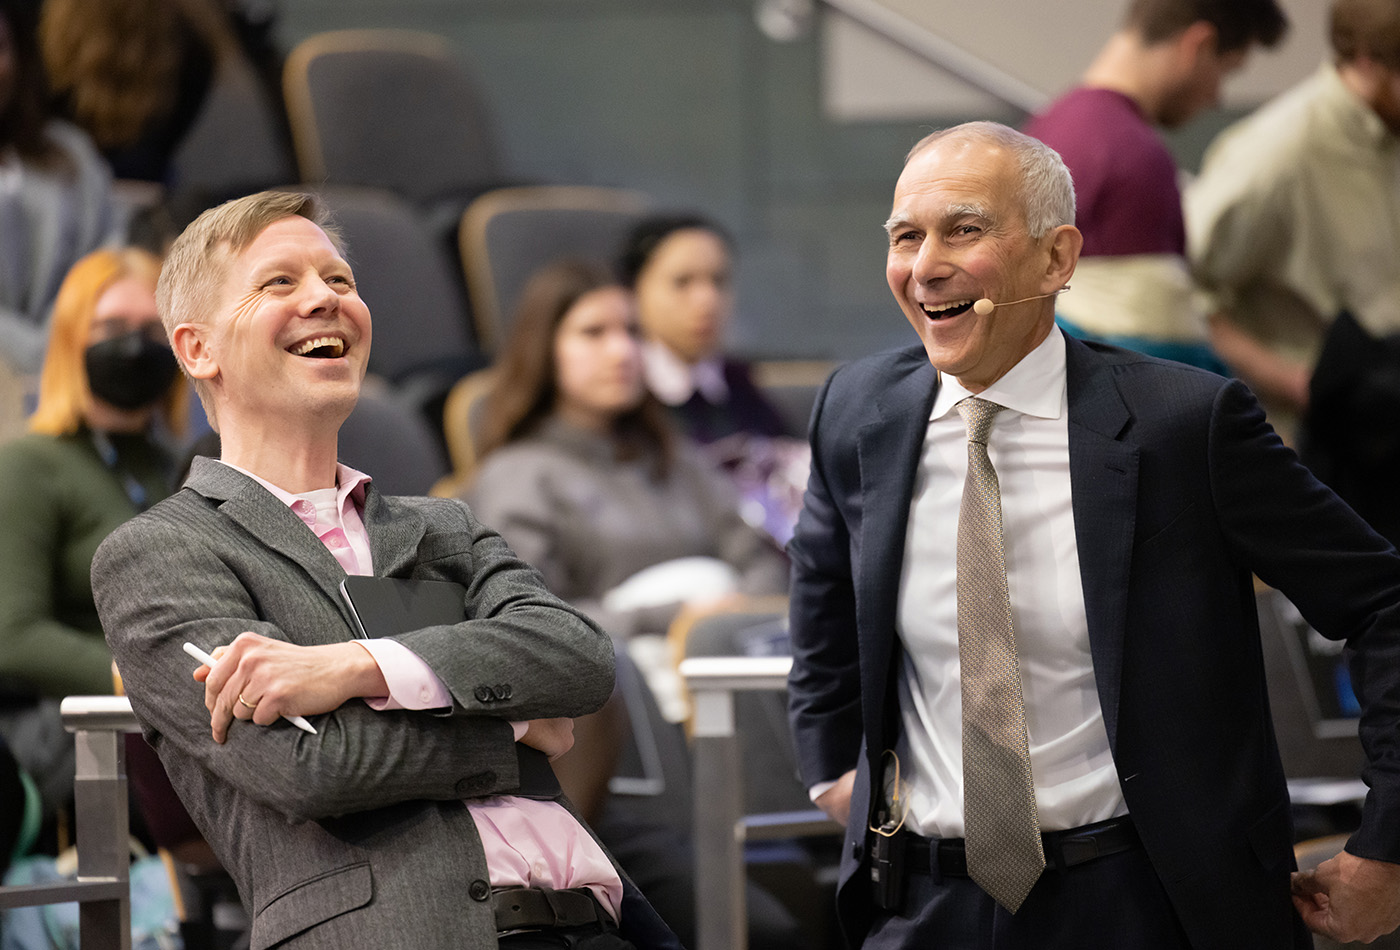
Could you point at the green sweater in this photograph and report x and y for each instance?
(58, 501)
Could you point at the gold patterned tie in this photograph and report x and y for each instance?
(1004, 853)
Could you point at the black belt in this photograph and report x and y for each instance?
(1063, 849)
(535, 908)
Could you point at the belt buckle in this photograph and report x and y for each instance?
(1077, 850)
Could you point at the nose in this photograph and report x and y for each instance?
(930, 263)
(320, 297)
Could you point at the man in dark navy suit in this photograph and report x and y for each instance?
(1132, 502)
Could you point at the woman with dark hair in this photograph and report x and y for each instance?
(584, 479)
(55, 193)
(92, 459)
(681, 269)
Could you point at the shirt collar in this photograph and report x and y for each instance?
(674, 381)
(350, 484)
(1355, 119)
(1034, 387)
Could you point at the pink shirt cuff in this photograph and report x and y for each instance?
(412, 683)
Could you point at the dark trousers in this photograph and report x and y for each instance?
(1111, 903)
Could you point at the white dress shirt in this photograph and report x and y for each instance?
(1075, 779)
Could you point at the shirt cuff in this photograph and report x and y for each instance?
(412, 683)
(820, 789)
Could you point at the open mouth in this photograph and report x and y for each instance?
(945, 311)
(319, 348)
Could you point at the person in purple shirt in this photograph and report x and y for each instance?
(1163, 66)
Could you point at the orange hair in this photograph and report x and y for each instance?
(64, 397)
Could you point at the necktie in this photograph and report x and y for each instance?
(1004, 853)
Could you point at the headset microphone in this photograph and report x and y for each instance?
(984, 306)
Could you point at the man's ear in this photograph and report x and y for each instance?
(1064, 245)
(1198, 39)
(191, 346)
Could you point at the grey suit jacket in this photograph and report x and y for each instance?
(358, 836)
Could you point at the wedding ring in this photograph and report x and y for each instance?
(246, 703)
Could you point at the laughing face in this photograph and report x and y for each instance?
(291, 336)
(958, 233)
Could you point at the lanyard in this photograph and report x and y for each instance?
(135, 491)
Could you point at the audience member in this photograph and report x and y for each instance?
(1295, 217)
(1026, 651)
(402, 814)
(135, 74)
(95, 455)
(585, 479)
(55, 194)
(1163, 66)
(681, 269)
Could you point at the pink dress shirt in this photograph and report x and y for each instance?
(528, 843)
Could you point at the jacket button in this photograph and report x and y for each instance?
(483, 694)
(479, 890)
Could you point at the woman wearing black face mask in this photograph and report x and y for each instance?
(91, 460)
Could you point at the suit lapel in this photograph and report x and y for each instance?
(271, 523)
(888, 451)
(1104, 474)
(393, 536)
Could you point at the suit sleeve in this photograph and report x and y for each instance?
(824, 686)
(1344, 578)
(557, 661)
(159, 582)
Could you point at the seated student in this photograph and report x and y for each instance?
(95, 455)
(56, 202)
(398, 816)
(624, 518)
(584, 477)
(681, 269)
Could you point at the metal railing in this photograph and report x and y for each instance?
(720, 825)
(102, 888)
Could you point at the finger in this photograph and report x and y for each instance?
(1304, 883)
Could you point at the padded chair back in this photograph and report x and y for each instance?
(389, 108)
(389, 438)
(461, 421)
(236, 145)
(421, 327)
(792, 386)
(509, 233)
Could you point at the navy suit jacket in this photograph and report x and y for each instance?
(1181, 491)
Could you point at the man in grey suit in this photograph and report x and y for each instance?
(402, 821)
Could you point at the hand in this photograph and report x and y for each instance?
(276, 679)
(836, 800)
(1349, 898)
(553, 737)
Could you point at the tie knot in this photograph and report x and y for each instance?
(977, 415)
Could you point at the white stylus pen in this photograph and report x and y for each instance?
(209, 661)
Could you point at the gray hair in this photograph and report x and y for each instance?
(1047, 189)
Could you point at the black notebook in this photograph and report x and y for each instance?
(388, 606)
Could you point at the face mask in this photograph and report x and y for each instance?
(129, 371)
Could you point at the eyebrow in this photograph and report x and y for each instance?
(952, 213)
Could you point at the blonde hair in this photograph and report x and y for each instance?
(64, 396)
(198, 260)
